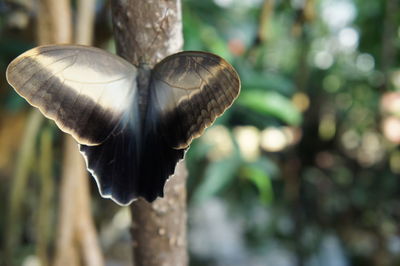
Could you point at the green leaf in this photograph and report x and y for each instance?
(262, 181)
(272, 104)
(218, 174)
(265, 81)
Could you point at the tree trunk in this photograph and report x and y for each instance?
(146, 32)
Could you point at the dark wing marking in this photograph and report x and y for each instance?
(85, 90)
(132, 163)
(189, 91)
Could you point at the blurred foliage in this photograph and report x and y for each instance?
(305, 165)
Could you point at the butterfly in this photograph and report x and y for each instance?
(133, 123)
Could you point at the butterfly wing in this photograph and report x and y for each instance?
(85, 90)
(189, 91)
(90, 94)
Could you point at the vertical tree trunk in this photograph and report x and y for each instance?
(148, 31)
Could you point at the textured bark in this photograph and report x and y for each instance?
(159, 228)
(146, 32)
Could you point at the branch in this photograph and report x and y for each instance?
(20, 179)
(264, 21)
(46, 205)
(85, 229)
(389, 32)
(77, 233)
(54, 22)
(85, 22)
(66, 248)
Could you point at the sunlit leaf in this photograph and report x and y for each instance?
(217, 176)
(262, 181)
(265, 81)
(271, 104)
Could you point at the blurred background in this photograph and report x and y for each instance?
(302, 170)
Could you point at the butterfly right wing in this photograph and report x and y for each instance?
(188, 91)
(85, 90)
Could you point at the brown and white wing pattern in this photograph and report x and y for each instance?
(131, 138)
(85, 90)
(188, 91)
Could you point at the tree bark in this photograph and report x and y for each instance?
(146, 32)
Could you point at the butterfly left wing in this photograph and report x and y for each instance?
(92, 95)
(85, 90)
(188, 91)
